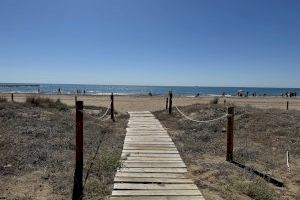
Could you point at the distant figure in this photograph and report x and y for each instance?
(223, 94)
(150, 94)
(84, 92)
(197, 95)
(59, 92)
(38, 90)
(247, 94)
(295, 94)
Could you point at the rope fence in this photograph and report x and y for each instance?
(98, 118)
(198, 121)
(230, 115)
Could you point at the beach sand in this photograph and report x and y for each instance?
(155, 103)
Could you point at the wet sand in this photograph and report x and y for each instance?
(154, 103)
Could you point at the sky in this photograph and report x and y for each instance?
(151, 42)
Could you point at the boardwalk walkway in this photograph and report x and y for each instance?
(152, 167)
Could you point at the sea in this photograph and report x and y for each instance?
(140, 90)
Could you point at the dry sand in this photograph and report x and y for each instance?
(155, 103)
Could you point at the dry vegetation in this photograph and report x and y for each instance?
(37, 150)
(261, 139)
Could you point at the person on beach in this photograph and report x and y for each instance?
(197, 95)
(84, 92)
(59, 92)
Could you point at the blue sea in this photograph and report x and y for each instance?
(138, 90)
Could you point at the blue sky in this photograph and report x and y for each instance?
(151, 42)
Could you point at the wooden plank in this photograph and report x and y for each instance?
(156, 192)
(152, 161)
(150, 175)
(147, 136)
(153, 158)
(152, 164)
(140, 142)
(149, 145)
(150, 151)
(159, 170)
(154, 186)
(161, 155)
(158, 198)
(144, 129)
(147, 133)
(148, 139)
(151, 180)
(149, 148)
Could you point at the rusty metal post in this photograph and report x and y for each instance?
(77, 187)
(112, 109)
(170, 102)
(230, 120)
(287, 105)
(167, 103)
(12, 97)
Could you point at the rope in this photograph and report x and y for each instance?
(98, 118)
(206, 121)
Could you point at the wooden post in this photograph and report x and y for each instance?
(112, 109)
(170, 102)
(230, 120)
(167, 103)
(287, 105)
(12, 97)
(77, 187)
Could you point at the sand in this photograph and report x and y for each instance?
(155, 103)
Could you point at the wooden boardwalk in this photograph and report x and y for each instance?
(152, 168)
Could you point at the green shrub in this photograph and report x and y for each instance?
(46, 103)
(257, 189)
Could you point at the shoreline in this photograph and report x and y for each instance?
(124, 103)
(143, 95)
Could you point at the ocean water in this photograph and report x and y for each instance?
(139, 90)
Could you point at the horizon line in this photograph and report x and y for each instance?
(35, 83)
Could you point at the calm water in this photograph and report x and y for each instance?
(139, 90)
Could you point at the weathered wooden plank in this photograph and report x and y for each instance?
(158, 198)
(147, 133)
(152, 161)
(150, 175)
(150, 145)
(148, 139)
(146, 144)
(159, 170)
(144, 129)
(149, 148)
(161, 155)
(154, 186)
(147, 136)
(156, 192)
(151, 180)
(150, 151)
(153, 158)
(141, 142)
(153, 164)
